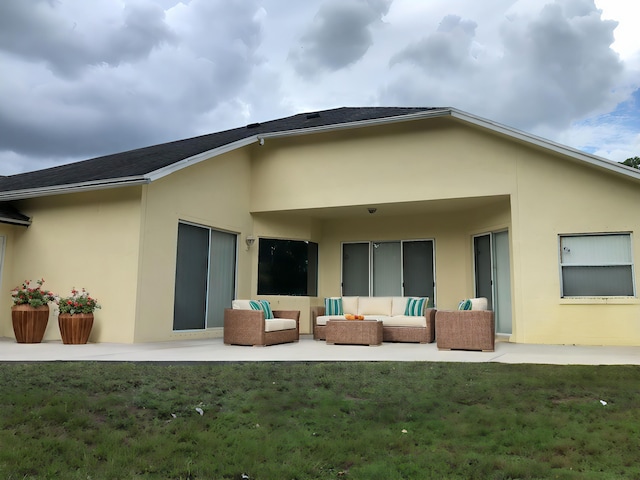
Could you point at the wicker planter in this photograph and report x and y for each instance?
(29, 323)
(75, 329)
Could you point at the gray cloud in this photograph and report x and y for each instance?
(339, 36)
(130, 88)
(553, 68)
(81, 79)
(68, 41)
(444, 52)
(566, 49)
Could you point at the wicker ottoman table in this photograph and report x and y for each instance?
(354, 332)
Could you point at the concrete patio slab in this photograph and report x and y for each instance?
(307, 349)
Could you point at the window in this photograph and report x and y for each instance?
(596, 265)
(287, 267)
(393, 268)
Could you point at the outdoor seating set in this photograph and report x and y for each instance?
(365, 321)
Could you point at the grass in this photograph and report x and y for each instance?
(346, 420)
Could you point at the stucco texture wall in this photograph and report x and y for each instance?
(557, 197)
(329, 176)
(213, 193)
(6, 278)
(433, 159)
(84, 240)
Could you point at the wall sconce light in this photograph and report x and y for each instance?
(372, 210)
(250, 240)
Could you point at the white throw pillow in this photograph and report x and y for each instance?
(350, 305)
(241, 305)
(398, 306)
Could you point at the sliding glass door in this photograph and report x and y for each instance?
(418, 269)
(387, 269)
(205, 277)
(355, 269)
(493, 276)
(395, 268)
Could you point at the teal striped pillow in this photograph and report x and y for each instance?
(333, 306)
(262, 305)
(465, 304)
(415, 307)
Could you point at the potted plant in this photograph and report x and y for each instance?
(76, 316)
(30, 311)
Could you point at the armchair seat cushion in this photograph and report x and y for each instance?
(275, 324)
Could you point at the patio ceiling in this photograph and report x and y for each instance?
(424, 207)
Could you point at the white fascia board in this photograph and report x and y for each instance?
(200, 157)
(13, 221)
(72, 188)
(441, 112)
(593, 160)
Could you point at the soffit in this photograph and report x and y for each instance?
(425, 207)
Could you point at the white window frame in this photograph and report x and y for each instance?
(630, 263)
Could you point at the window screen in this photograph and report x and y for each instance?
(596, 265)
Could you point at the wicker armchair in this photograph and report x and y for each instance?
(465, 330)
(249, 327)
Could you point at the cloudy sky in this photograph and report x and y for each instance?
(80, 79)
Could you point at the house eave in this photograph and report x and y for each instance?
(14, 221)
(260, 138)
(72, 188)
(200, 157)
(441, 112)
(564, 150)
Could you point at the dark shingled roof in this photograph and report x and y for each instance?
(137, 163)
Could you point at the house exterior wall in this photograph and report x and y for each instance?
(437, 179)
(405, 162)
(7, 278)
(441, 159)
(84, 240)
(213, 193)
(560, 197)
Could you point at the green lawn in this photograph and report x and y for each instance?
(342, 420)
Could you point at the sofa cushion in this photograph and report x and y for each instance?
(376, 317)
(323, 319)
(479, 303)
(262, 305)
(275, 324)
(398, 306)
(415, 307)
(350, 305)
(241, 305)
(333, 306)
(405, 321)
(374, 306)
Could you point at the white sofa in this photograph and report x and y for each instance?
(396, 326)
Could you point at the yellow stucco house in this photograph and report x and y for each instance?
(354, 201)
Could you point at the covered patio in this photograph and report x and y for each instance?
(443, 249)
